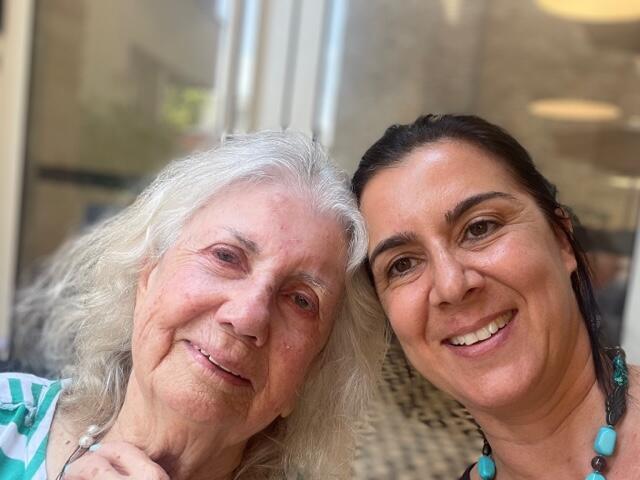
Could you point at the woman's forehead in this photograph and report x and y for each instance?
(443, 171)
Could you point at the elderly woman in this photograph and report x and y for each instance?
(478, 271)
(211, 326)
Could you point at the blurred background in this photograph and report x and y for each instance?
(95, 96)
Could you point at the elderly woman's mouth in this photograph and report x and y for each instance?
(220, 366)
(485, 332)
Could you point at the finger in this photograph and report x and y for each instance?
(129, 459)
(91, 467)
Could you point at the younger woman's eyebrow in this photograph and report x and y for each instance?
(453, 215)
(391, 242)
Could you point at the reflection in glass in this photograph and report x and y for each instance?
(118, 89)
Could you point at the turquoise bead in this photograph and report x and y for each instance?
(620, 371)
(595, 476)
(605, 442)
(486, 468)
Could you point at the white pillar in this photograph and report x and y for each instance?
(15, 56)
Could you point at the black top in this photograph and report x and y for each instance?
(467, 473)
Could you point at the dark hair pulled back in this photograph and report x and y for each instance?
(400, 140)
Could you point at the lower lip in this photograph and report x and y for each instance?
(486, 346)
(214, 370)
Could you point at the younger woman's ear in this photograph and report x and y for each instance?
(565, 218)
(562, 234)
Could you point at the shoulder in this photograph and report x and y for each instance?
(28, 392)
(27, 406)
(23, 387)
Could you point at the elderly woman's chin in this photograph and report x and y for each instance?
(199, 394)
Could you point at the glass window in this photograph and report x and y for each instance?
(118, 89)
(564, 81)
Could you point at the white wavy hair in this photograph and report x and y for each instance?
(83, 301)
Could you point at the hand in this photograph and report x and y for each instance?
(115, 461)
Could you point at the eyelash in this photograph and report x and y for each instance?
(492, 226)
(390, 272)
(219, 252)
(236, 260)
(311, 304)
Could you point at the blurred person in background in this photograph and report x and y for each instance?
(479, 273)
(610, 267)
(208, 331)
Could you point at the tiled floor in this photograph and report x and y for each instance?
(415, 432)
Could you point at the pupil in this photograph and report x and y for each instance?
(479, 228)
(403, 265)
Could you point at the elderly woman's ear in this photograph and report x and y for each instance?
(146, 275)
(288, 408)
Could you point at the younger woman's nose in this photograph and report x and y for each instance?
(452, 280)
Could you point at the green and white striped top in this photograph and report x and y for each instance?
(27, 405)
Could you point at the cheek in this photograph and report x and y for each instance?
(295, 354)
(158, 315)
(407, 311)
(519, 262)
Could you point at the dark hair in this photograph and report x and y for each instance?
(400, 140)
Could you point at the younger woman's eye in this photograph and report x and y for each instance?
(480, 229)
(401, 266)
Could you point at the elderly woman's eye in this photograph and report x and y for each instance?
(480, 229)
(303, 302)
(225, 255)
(402, 266)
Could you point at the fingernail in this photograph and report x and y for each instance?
(94, 447)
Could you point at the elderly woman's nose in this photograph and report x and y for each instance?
(452, 280)
(247, 314)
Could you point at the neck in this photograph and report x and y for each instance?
(183, 448)
(550, 432)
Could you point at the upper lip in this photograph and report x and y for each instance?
(476, 325)
(222, 359)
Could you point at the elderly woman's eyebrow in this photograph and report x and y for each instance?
(315, 281)
(453, 215)
(246, 243)
(388, 243)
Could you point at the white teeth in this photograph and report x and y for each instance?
(470, 338)
(484, 332)
(221, 367)
(206, 354)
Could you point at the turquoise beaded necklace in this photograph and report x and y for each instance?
(605, 442)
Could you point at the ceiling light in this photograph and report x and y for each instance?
(619, 181)
(593, 11)
(574, 110)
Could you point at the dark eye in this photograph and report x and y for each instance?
(402, 266)
(227, 256)
(303, 302)
(480, 229)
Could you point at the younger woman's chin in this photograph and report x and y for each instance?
(498, 395)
